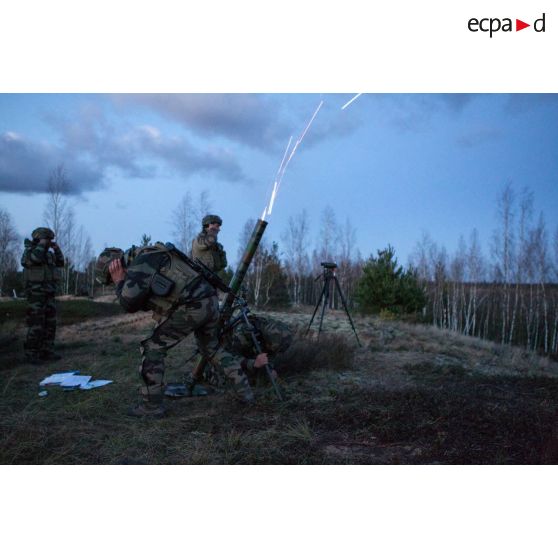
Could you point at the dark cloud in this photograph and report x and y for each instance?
(88, 144)
(92, 133)
(252, 120)
(522, 102)
(456, 102)
(478, 137)
(413, 112)
(25, 166)
(180, 155)
(331, 123)
(136, 150)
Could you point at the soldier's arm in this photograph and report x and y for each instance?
(37, 254)
(58, 255)
(249, 364)
(207, 241)
(132, 286)
(223, 255)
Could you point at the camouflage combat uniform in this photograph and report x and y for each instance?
(42, 271)
(195, 309)
(206, 248)
(273, 336)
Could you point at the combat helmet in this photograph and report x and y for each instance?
(208, 219)
(108, 255)
(42, 232)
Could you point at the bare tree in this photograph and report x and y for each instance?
(8, 246)
(349, 268)
(203, 207)
(475, 274)
(420, 258)
(187, 219)
(503, 251)
(542, 267)
(60, 217)
(327, 245)
(329, 237)
(55, 213)
(82, 254)
(554, 336)
(255, 275)
(295, 239)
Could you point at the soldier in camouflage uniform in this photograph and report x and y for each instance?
(42, 261)
(205, 246)
(273, 336)
(154, 278)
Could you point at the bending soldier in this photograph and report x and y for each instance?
(155, 278)
(273, 336)
(205, 246)
(42, 261)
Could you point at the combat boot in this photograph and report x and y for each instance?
(32, 353)
(148, 409)
(151, 404)
(195, 388)
(245, 395)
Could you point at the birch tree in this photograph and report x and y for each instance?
(8, 246)
(503, 247)
(295, 240)
(187, 217)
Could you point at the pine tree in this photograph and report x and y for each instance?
(385, 285)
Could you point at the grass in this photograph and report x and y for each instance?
(68, 311)
(409, 395)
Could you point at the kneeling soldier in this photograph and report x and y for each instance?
(273, 336)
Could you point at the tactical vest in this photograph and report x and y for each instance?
(45, 273)
(174, 282)
(215, 258)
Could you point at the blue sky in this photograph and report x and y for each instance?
(396, 165)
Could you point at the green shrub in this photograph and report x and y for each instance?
(386, 286)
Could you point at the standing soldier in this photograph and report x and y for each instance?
(205, 246)
(41, 272)
(157, 278)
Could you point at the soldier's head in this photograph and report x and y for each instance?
(277, 336)
(212, 223)
(108, 255)
(42, 233)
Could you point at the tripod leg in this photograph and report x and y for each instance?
(315, 310)
(346, 309)
(326, 300)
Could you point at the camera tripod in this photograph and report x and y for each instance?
(329, 276)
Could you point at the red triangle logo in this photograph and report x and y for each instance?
(519, 25)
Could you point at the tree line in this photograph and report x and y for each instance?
(509, 294)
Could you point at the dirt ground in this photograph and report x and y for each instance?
(410, 394)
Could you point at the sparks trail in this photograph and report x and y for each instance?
(353, 99)
(284, 163)
(278, 178)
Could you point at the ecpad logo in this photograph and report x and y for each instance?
(493, 25)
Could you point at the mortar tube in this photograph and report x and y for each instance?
(238, 277)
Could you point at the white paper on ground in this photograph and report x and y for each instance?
(75, 381)
(95, 384)
(57, 377)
